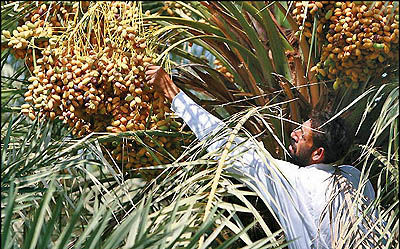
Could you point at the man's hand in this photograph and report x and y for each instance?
(156, 75)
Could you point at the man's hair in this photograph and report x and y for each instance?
(334, 136)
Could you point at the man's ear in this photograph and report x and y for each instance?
(317, 156)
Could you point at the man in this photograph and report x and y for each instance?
(315, 202)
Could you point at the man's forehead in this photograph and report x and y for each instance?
(306, 124)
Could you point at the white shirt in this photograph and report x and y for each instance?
(297, 195)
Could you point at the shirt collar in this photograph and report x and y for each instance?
(321, 166)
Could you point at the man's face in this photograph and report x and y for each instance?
(301, 144)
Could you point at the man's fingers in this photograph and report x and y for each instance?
(148, 77)
(152, 67)
(151, 82)
(151, 71)
(150, 74)
(149, 65)
(155, 73)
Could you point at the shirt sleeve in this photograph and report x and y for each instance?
(199, 120)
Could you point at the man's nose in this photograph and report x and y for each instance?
(293, 134)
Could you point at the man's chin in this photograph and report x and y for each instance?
(296, 160)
